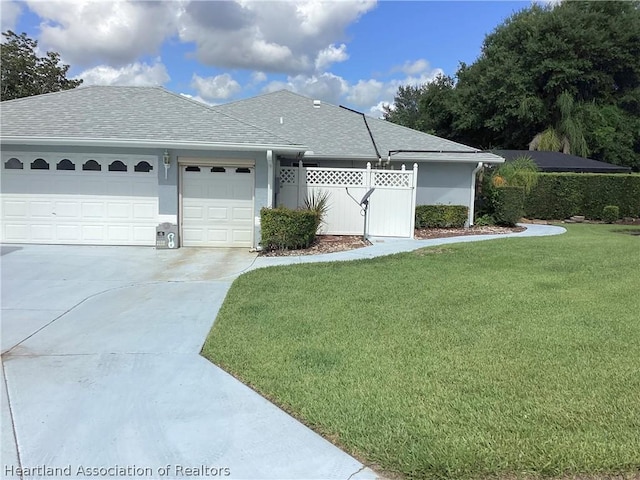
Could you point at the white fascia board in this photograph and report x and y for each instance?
(101, 142)
(471, 157)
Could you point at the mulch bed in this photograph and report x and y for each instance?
(341, 243)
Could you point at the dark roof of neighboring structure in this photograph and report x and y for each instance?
(337, 132)
(561, 162)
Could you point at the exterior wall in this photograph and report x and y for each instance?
(444, 183)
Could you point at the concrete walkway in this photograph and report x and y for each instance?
(101, 372)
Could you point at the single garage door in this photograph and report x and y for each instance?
(74, 199)
(217, 206)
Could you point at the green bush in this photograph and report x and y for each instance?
(283, 228)
(508, 205)
(441, 216)
(484, 221)
(610, 213)
(561, 195)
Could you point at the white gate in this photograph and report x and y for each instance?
(392, 204)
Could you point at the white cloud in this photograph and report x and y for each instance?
(326, 86)
(365, 92)
(413, 68)
(365, 95)
(135, 74)
(9, 13)
(258, 77)
(218, 87)
(330, 55)
(115, 33)
(250, 35)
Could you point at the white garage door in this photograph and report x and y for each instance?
(217, 206)
(79, 199)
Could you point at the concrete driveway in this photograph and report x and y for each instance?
(102, 374)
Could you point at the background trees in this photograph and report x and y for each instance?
(25, 74)
(567, 76)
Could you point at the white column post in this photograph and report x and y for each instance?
(302, 183)
(270, 178)
(414, 194)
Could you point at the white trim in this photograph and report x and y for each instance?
(140, 143)
(270, 178)
(472, 195)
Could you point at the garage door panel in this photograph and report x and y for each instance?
(79, 206)
(217, 208)
(192, 235)
(92, 233)
(68, 232)
(41, 232)
(13, 232)
(92, 209)
(15, 209)
(242, 213)
(67, 209)
(217, 236)
(120, 211)
(217, 213)
(41, 209)
(193, 212)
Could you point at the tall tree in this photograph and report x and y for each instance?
(25, 74)
(406, 110)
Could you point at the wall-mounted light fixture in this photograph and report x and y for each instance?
(166, 159)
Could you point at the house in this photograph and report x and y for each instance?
(105, 165)
(561, 162)
(341, 137)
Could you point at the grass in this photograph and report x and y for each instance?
(513, 357)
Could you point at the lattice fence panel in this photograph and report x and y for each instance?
(288, 176)
(342, 178)
(392, 179)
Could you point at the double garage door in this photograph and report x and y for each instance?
(113, 200)
(90, 200)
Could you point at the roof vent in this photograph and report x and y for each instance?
(316, 104)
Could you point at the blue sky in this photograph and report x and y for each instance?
(343, 52)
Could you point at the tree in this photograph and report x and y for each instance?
(25, 74)
(406, 109)
(567, 135)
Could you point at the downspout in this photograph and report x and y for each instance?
(366, 124)
(472, 198)
(270, 178)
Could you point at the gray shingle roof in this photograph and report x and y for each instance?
(126, 114)
(334, 132)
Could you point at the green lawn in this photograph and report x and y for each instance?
(518, 356)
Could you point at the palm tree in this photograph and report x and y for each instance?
(567, 135)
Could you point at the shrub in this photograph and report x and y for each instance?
(284, 228)
(562, 195)
(484, 221)
(508, 205)
(441, 216)
(610, 213)
(318, 201)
